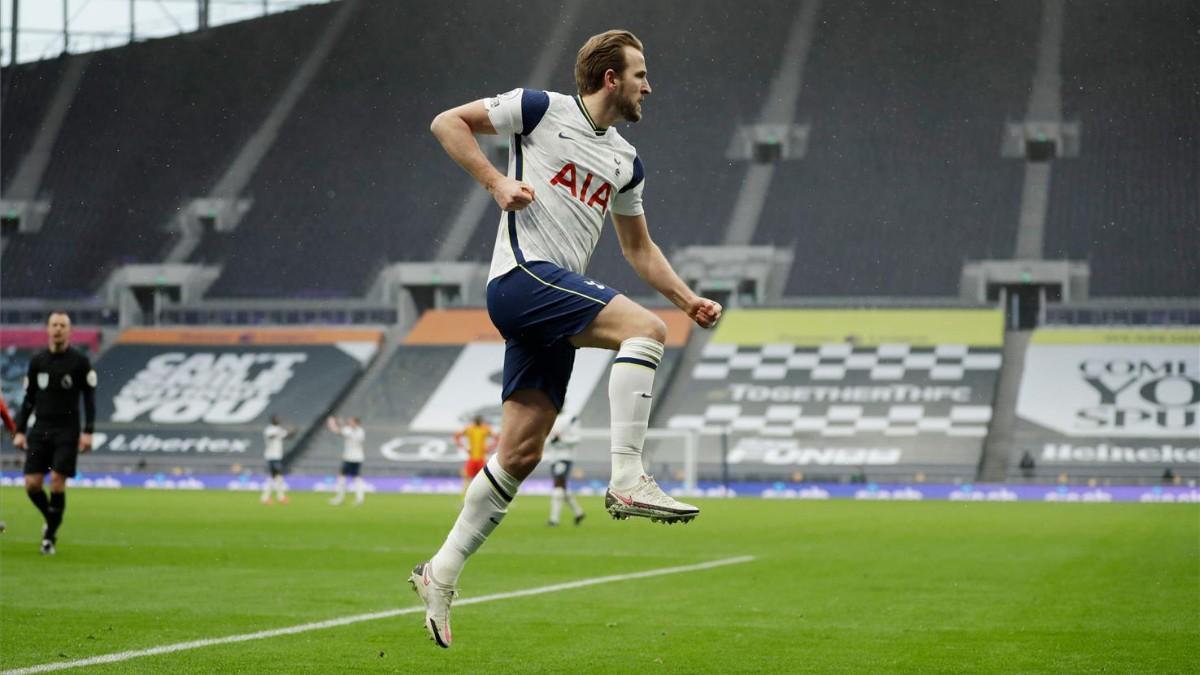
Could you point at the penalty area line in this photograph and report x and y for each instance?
(372, 616)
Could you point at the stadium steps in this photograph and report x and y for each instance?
(1045, 106)
(993, 465)
(779, 108)
(28, 181)
(237, 176)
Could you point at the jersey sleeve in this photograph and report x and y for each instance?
(628, 201)
(518, 111)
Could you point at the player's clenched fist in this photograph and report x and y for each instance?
(705, 312)
(511, 194)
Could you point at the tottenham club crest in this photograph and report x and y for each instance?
(67, 381)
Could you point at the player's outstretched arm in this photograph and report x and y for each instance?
(653, 267)
(455, 129)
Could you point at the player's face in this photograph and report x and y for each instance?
(633, 85)
(58, 328)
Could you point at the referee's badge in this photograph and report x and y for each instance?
(43, 380)
(67, 381)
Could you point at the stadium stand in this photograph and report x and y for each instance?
(1129, 202)
(198, 400)
(903, 178)
(843, 393)
(141, 139)
(1108, 403)
(25, 93)
(355, 179)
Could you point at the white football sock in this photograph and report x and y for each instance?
(360, 490)
(341, 489)
(556, 500)
(280, 487)
(267, 488)
(484, 507)
(630, 388)
(572, 503)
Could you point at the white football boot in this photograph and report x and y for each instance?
(437, 599)
(646, 500)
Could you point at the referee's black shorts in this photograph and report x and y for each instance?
(52, 449)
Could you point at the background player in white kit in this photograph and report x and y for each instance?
(273, 437)
(561, 456)
(567, 169)
(353, 436)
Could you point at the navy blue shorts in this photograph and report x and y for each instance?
(561, 471)
(351, 469)
(275, 467)
(537, 307)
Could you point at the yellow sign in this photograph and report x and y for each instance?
(1117, 336)
(866, 327)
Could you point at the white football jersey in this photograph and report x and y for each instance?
(578, 172)
(352, 449)
(562, 440)
(274, 435)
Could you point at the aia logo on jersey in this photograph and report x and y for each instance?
(566, 178)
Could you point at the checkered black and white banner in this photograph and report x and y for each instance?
(888, 406)
(840, 420)
(833, 362)
(892, 390)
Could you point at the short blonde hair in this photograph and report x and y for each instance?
(600, 54)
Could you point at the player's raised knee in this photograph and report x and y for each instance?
(653, 327)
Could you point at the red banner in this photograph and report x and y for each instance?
(36, 338)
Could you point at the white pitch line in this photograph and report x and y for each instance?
(357, 618)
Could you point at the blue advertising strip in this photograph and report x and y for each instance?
(542, 486)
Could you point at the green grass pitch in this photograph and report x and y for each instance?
(837, 586)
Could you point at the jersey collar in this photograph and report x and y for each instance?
(583, 109)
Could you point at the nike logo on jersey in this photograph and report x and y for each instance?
(562, 135)
(566, 178)
(643, 395)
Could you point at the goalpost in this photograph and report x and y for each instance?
(681, 442)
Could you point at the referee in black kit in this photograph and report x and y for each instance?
(57, 376)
